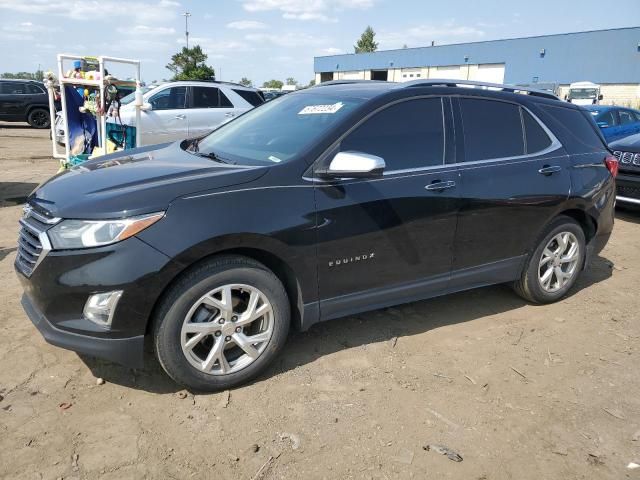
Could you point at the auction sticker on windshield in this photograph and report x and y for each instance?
(320, 109)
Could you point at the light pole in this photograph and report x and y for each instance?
(186, 16)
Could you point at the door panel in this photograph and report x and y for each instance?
(506, 201)
(208, 108)
(382, 240)
(168, 120)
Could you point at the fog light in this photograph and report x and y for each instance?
(100, 307)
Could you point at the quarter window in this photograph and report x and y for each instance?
(34, 89)
(406, 135)
(169, 99)
(537, 139)
(254, 98)
(492, 129)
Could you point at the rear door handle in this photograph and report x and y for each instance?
(180, 117)
(549, 169)
(439, 186)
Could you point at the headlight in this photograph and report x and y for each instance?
(94, 233)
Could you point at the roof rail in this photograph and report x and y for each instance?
(483, 85)
(346, 82)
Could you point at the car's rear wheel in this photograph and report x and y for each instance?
(222, 324)
(39, 118)
(554, 266)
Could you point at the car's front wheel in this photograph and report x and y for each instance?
(39, 118)
(554, 266)
(221, 324)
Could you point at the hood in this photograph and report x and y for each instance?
(138, 181)
(627, 144)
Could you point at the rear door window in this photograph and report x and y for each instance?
(205, 97)
(535, 136)
(34, 89)
(492, 129)
(406, 135)
(626, 117)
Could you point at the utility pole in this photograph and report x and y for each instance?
(186, 16)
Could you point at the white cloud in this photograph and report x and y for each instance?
(246, 25)
(82, 10)
(146, 30)
(286, 39)
(331, 51)
(217, 48)
(318, 10)
(422, 35)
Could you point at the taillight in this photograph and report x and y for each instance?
(612, 165)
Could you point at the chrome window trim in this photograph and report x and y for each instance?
(322, 157)
(555, 143)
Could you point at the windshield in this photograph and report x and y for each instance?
(580, 93)
(278, 130)
(132, 96)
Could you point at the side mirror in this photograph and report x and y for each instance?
(354, 165)
(600, 97)
(146, 107)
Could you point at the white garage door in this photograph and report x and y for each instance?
(451, 72)
(353, 75)
(490, 73)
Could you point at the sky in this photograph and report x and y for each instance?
(265, 39)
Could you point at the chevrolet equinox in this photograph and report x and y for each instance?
(338, 199)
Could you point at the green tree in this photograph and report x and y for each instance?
(312, 82)
(273, 84)
(246, 82)
(22, 75)
(190, 64)
(291, 81)
(367, 41)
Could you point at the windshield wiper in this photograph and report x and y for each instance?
(213, 156)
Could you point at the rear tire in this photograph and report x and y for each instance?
(204, 335)
(39, 118)
(552, 269)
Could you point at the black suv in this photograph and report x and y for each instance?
(627, 151)
(24, 101)
(326, 202)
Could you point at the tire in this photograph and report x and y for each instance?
(533, 286)
(197, 301)
(39, 118)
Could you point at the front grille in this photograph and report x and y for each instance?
(33, 243)
(628, 158)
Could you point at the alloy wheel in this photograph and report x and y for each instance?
(227, 329)
(40, 118)
(559, 262)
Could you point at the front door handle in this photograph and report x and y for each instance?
(229, 114)
(180, 117)
(439, 185)
(549, 170)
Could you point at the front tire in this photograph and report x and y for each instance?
(39, 118)
(222, 324)
(553, 267)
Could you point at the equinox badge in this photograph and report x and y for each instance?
(357, 258)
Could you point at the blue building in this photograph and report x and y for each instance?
(610, 58)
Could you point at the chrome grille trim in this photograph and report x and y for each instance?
(627, 159)
(33, 242)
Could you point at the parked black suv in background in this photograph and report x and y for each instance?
(24, 101)
(326, 202)
(627, 151)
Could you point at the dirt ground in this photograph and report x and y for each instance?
(519, 391)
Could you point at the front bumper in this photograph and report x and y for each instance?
(628, 188)
(126, 351)
(57, 290)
